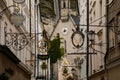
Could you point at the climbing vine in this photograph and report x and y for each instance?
(55, 51)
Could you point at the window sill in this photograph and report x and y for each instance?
(112, 48)
(119, 44)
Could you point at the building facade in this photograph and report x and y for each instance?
(64, 25)
(113, 57)
(11, 67)
(103, 66)
(16, 53)
(97, 21)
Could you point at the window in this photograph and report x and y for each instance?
(94, 15)
(90, 2)
(100, 34)
(118, 29)
(73, 4)
(64, 4)
(100, 9)
(112, 34)
(90, 19)
(110, 1)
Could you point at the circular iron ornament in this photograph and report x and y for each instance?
(20, 41)
(77, 38)
(16, 40)
(19, 1)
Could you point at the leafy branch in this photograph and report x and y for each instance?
(55, 51)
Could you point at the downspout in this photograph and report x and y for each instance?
(30, 16)
(107, 33)
(87, 54)
(107, 38)
(35, 11)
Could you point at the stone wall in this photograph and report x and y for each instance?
(9, 67)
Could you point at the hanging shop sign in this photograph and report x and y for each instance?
(43, 57)
(77, 38)
(17, 19)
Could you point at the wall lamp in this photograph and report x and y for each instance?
(91, 37)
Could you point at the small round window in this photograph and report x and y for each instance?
(64, 30)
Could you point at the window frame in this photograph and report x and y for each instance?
(118, 28)
(112, 34)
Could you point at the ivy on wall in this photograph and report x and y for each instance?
(55, 51)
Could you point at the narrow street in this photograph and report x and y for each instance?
(59, 39)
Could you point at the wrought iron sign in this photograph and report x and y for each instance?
(43, 45)
(43, 57)
(77, 38)
(17, 40)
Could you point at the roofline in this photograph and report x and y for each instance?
(6, 51)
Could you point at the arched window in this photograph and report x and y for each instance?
(64, 4)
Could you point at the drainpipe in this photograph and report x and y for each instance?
(87, 54)
(107, 32)
(36, 24)
(30, 16)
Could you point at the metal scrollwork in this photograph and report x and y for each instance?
(8, 39)
(43, 45)
(17, 40)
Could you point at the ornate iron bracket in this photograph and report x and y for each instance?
(17, 40)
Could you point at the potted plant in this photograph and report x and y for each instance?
(65, 72)
(44, 65)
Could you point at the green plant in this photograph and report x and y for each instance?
(55, 51)
(44, 65)
(65, 71)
